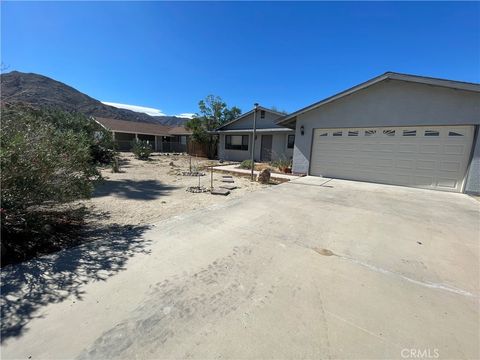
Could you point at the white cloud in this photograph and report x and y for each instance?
(146, 110)
(142, 109)
(186, 115)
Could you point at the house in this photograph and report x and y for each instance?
(272, 142)
(163, 138)
(396, 129)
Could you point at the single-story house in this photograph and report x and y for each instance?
(163, 138)
(272, 141)
(396, 129)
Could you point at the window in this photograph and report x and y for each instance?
(432, 133)
(370, 132)
(324, 134)
(291, 141)
(353, 133)
(337, 133)
(454, 133)
(262, 114)
(409, 132)
(236, 142)
(389, 132)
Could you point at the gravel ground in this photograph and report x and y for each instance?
(145, 192)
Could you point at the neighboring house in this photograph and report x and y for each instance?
(272, 141)
(162, 138)
(395, 129)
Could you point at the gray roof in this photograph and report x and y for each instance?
(460, 85)
(248, 113)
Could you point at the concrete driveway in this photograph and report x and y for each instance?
(308, 269)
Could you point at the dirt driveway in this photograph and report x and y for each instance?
(307, 269)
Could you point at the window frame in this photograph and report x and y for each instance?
(288, 141)
(242, 147)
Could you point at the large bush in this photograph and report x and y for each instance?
(47, 158)
(100, 140)
(142, 149)
(246, 164)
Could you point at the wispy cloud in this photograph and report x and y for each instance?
(147, 110)
(142, 109)
(186, 115)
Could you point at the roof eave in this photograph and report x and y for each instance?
(388, 75)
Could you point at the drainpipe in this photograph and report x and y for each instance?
(253, 139)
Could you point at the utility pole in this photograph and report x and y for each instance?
(253, 139)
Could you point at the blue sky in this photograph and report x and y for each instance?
(168, 56)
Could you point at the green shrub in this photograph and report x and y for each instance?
(101, 143)
(142, 149)
(282, 163)
(46, 160)
(246, 164)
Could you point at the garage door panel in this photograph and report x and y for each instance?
(405, 163)
(426, 165)
(430, 149)
(454, 149)
(407, 148)
(425, 157)
(453, 166)
(447, 183)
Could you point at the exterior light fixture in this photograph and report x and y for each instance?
(302, 130)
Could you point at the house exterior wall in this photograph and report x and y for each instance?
(246, 123)
(279, 147)
(473, 177)
(388, 103)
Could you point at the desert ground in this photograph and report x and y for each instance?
(144, 192)
(358, 271)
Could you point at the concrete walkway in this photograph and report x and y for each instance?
(313, 268)
(233, 169)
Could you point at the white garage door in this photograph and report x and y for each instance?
(424, 157)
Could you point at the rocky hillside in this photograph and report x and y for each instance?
(39, 90)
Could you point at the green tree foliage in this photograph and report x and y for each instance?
(213, 113)
(48, 158)
(142, 149)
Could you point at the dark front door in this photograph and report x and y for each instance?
(266, 148)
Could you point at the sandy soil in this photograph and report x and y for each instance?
(145, 192)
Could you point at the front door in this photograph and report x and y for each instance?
(266, 148)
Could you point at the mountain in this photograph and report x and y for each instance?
(38, 90)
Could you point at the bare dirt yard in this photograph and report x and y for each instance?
(144, 192)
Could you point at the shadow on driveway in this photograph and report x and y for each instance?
(131, 189)
(29, 286)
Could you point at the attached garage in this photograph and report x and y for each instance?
(424, 157)
(395, 129)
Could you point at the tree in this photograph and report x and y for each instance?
(142, 149)
(274, 108)
(213, 113)
(44, 158)
(48, 159)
